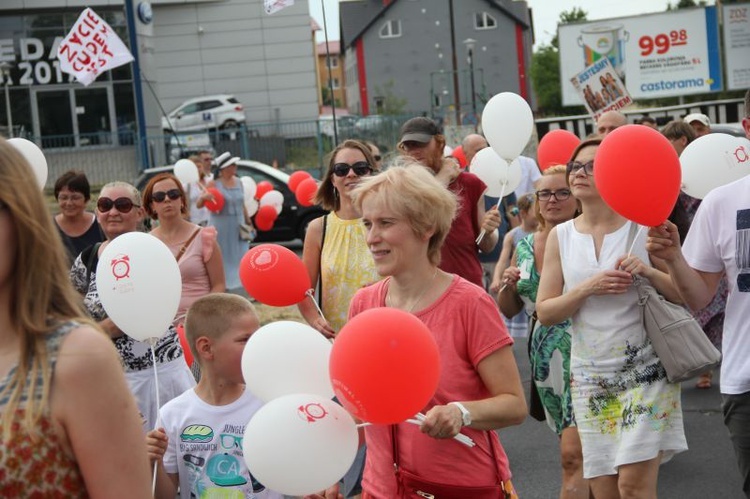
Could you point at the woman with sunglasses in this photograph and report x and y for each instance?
(195, 248)
(119, 211)
(227, 220)
(549, 346)
(78, 227)
(628, 415)
(68, 424)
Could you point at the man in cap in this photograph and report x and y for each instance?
(700, 123)
(422, 141)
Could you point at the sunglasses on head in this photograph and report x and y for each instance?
(574, 166)
(160, 196)
(360, 168)
(123, 205)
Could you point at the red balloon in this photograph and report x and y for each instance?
(188, 353)
(306, 191)
(265, 217)
(458, 153)
(262, 187)
(384, 366)
(637, 173)
(274, 275)
(556, 147)
(297, 177)
(217, 203)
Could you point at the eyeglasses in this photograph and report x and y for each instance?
(76, 198)
(160, 196)
(546, 194)
(123, 205)
(229, 441)
(574, 166)
(360, 168)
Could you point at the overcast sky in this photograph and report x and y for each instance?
(546, 13)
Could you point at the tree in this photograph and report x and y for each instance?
(545, 71)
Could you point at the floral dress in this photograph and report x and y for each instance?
(550, 347)
(38, 465)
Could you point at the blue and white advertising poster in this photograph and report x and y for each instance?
(737, 45)
(657, 55)
(601, 89)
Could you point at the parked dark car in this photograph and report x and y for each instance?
(293, 219)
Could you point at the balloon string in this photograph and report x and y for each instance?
(310, 293)
(632, 245)
(152, 342)
(467, 441)
(500, 200)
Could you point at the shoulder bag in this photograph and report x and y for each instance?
(411, 486)
(679, 341)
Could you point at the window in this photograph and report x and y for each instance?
(390, 29)
(209, 104)
(483, 20)
(335, 83)
(333, 61)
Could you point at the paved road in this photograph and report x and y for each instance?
(707, 470)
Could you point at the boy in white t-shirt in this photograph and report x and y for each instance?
(199, 446)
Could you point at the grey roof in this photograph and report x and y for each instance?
(357, 16)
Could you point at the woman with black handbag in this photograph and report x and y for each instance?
(549, 346)
(629, 416)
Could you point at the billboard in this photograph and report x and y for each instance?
(737, 45)
(658, 55)
(601, 89)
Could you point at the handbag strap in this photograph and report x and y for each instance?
(320, 263)
(397, 461)
(187, 243)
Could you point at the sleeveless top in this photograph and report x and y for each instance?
(345, 266)
(192, 264)
(39, 465)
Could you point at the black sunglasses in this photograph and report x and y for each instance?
(123, 205)
(360, 168)
(160, 196)
(574, 166)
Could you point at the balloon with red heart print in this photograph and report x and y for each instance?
(274, 275)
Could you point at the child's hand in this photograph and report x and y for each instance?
(156, 444)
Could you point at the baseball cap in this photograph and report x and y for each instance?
(419, 129)
(700, 117)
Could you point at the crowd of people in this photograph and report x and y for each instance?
(75, 388)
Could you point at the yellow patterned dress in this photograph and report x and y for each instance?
(345, 266)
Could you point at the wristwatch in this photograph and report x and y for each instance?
(465, 414)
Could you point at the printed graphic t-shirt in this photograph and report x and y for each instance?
(205, 447)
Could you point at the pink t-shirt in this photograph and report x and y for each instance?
(460, 254)
(195, 281)
(467, 327)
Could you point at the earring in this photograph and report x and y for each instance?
(335, 193)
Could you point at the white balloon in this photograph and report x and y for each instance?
(186, 171)
(501, 178)
(287, 357)
(252, 206)
(35, 158)
(139, 285)
(249, 186)
(447, 150)
(299, 444)
(507, 123)
(713, 160)
(273, 198)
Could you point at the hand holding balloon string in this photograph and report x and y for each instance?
(497, 207)
(419, 419)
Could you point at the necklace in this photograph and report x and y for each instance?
(389, 299)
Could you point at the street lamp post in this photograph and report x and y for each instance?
(470, 44)
(5, 70)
